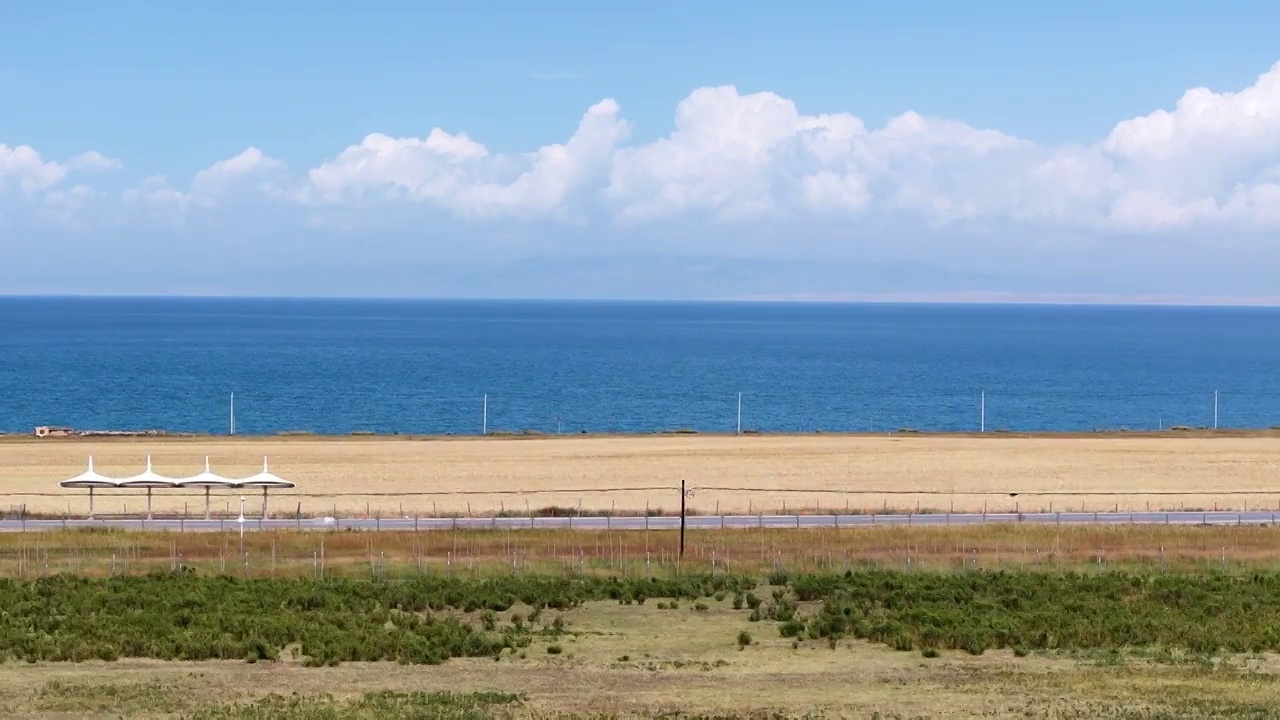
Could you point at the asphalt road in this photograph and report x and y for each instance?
(701, 522)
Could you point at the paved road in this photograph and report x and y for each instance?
(656, 523)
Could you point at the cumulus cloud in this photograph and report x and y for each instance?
(93, 161)
(250, 170)
(462, 175)
(732, 158)
(22, 168)
(749, 157)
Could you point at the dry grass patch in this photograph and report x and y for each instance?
(402, 554)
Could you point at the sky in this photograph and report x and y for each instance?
(815, 150)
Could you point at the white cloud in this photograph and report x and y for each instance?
(93, 161)
(750, 159)
(735, 158)
(22, 167)
(250, 169)
(459, 174)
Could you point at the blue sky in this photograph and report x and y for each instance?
(1014, 159)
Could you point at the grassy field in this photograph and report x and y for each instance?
(863, 644)
(749, 474)
(381, 555)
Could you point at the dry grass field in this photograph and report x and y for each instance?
(749, 474)
(395, 554)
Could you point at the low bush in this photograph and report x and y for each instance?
(182, 616)
(1025, 611)
(384, 705)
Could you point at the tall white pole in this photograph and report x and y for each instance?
(484, 416)
(233, 413)
(739, 413)
(1215, 409)
(982, 426)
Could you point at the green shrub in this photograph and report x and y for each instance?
(183, 616)
(1202, 614)
(744, 638)
(791, 628)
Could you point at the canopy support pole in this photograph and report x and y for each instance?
(148, 503)
(264, 503)
(90, 503)
(206, 502)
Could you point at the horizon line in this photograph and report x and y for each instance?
(934, 299)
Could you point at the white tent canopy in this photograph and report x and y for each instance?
(207, 480)
(149, 480)
(267, 481)
(92, 480)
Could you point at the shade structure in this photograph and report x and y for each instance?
(92, 480)
(207, 480)
(148, 479)
(267, 481)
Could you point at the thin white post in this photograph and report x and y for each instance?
(982, 426)
(1215, 409)
(233, 413)
(90, 503)
(739, 413)
(484, 415)
(148, 503)
(206, 502)
(264, 503)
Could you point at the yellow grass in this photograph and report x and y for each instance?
(1171, 548)
(396, 476)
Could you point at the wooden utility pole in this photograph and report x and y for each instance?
(683, 495)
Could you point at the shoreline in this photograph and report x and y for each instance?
(361, 436)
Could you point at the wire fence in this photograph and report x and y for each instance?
(383, 556)
(635, 501)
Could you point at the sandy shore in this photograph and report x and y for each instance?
(731, 474)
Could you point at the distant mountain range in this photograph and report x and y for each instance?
(631, 277)
(627, 277)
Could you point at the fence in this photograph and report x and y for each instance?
(644, 501)
(455, 549)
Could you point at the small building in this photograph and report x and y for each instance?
(50, 431)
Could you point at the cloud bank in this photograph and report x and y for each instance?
(1206, 168)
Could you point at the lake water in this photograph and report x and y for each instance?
(337, 366)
